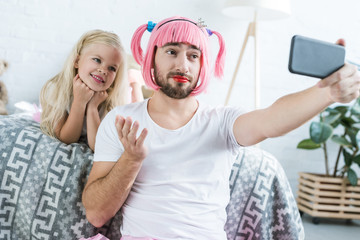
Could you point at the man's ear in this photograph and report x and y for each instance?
(76, 63)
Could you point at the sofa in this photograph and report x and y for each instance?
(42, 180)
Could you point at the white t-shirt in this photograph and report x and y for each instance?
(182, 189)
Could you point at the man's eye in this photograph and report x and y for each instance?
(112, 69)
(97, 60)
(194, 57)
(171, 52)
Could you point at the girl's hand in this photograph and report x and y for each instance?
(97, 99)
(134, 147)
(82, 93)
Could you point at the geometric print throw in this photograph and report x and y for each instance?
(41, 184)
(262, 205)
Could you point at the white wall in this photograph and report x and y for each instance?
(37, 35)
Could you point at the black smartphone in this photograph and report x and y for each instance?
(315, 58)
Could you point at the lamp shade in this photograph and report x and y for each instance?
(266, 9)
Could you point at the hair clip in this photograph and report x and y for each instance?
(200, 23)
(150, 26)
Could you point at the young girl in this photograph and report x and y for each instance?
(90, 84)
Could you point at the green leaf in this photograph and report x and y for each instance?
(347, 158)
(308, 144)
(352, 133)
(320, 132)
(331, 110)
(342, 109)
(331, 118)
(336, 123)
(347, 122)
(357, 159)
(341, 141)
(351, 174)
(356, 107)
(355, 110)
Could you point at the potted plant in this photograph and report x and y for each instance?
(337, 192)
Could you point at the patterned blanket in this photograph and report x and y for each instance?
(42, 180)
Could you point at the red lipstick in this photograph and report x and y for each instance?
(180, 79)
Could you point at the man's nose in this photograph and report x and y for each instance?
(182, 63)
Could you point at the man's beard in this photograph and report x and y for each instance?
(177, 91)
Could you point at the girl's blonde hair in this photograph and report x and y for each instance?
(57, 93)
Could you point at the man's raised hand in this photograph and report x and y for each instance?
(133, 146)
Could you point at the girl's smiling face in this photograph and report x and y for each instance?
(97, 66)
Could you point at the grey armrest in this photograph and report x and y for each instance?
(261, 205)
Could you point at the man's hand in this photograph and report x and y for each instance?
(82, 93)
(344, 84)
(134, 147)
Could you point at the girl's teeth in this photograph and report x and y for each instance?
(98, 78)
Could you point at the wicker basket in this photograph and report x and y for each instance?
(328, 197)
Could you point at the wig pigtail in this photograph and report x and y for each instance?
(136, 44)
(220, 59)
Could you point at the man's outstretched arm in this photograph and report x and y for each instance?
(109, 183)
(291, 111)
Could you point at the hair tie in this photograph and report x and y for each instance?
(150, 26)
(209, 31)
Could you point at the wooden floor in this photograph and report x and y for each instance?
(331, 229)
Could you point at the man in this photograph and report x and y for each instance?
(171, 181)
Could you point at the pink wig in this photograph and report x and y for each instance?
(181, 30)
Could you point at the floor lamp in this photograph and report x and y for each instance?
(254, 11)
